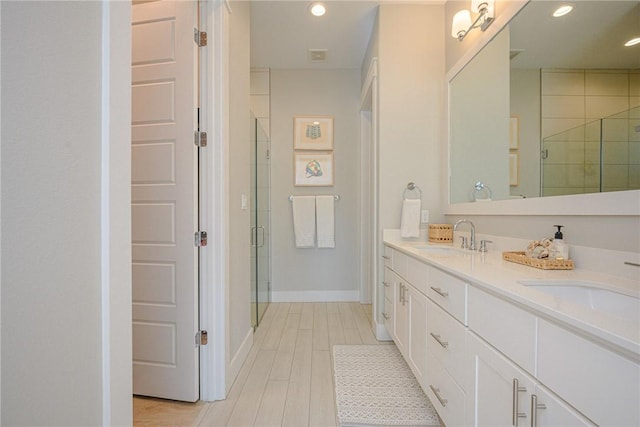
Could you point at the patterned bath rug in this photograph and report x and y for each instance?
(375, 387)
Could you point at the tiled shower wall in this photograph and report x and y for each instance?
(572, 102)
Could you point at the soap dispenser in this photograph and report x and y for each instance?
(559, 249)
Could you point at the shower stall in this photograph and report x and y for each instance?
(260, 222)
(602, 155)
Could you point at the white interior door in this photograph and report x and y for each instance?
(164, 205)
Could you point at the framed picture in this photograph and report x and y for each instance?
(313, 168)
(513, 169)
(313, 133)
(514, 133)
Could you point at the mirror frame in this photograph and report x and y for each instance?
(611, 203)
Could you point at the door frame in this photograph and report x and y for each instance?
(214, 199)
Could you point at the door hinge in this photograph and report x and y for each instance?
(201, 238)
(200, 37)
(202, 338)
(200, 139)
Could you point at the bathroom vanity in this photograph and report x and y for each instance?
(496, 343)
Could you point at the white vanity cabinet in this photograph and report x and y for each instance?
(389, 283)
(410, 312)
(502, 394)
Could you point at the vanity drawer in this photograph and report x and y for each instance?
(596, 381)
(400, 263)
(417, 274)
(387, 256)
(508, 328)
(388, 283)
(444, 394)
(448, 292)
(446, 341)
(387, 315)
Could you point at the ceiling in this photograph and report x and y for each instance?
(282, 32)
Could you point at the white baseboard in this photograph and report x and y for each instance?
(381, 332)
(315, 296)
(238, 359)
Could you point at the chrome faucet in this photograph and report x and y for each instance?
(472, 239)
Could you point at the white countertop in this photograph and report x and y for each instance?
(490, 272)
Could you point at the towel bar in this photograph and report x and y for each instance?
(335, 197)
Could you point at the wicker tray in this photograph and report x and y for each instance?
(440, 233)
(545, 264)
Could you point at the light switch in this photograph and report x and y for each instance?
(424, 216)
(243, 202)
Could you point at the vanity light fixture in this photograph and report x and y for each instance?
(562, 10)
(317, 9)
(462, 20)
(633, 42)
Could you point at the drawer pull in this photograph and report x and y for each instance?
(386, 257)
(444, 344)
(440, 292)
(534, 410)
(385, 315)
(517, 389)
(386, 284)
(436, 391)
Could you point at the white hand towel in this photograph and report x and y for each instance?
(325, 221)
(304, 220)
(410, 222)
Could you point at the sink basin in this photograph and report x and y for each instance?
(592, 295)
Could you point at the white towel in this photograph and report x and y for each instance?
(304, 220)
(325, 221)
(410, 222)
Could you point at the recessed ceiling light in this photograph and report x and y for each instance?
(317, 9)
(562, 10)
(633, 42)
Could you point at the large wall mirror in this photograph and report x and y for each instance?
(550, 106)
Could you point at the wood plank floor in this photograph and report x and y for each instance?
(287, 379)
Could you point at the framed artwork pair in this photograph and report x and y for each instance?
(313, 151)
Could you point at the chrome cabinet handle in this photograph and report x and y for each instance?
(400, 296)
(254, 237)
(385, 315)
(534, 410)
(517, 389)
(440, 292)
(444, 344)
(386, 257)
(386, 284)
(436, 391)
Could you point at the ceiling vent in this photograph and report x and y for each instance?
(317, 55)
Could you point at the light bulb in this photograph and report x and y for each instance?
(317, 9)
(461, 23)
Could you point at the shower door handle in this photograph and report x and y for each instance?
(261, 228)
(254, 237)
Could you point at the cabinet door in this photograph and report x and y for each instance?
(401, 316)
(417, 354)
(500, 392)
(549, 410)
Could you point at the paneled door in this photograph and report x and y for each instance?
(164, 200)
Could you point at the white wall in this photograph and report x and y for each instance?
(315, 274)
(66, 280)
(408, 42)
(239, 320)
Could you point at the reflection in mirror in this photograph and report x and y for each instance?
(568, 122)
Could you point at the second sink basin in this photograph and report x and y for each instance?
(591, 295)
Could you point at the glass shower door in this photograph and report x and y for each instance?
(260, 222)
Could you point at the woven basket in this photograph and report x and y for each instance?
(440, 233)
(544, 263)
